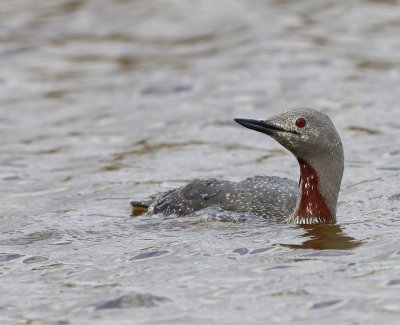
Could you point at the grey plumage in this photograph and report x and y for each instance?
(245, 196)
(316, 145)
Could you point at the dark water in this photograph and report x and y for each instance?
(105, 101)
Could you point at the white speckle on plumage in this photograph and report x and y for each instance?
(317, 144)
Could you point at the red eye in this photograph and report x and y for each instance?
(300, 122)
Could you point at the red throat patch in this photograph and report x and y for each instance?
(312, 203)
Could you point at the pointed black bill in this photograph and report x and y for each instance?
(260, 126)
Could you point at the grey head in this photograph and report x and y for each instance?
(312, 138)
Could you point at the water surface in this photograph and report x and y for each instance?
(105, 101)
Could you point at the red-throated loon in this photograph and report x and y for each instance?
(311, 137)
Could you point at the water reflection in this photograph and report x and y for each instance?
(325, 237)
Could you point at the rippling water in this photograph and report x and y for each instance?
(105, 101)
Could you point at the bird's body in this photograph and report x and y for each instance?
(311, 137)
(246, 196)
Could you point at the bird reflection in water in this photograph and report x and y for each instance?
(325, 237)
